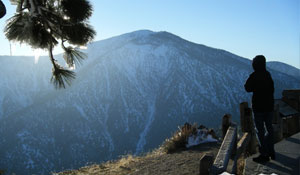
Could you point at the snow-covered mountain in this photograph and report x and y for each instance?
(129, 95)
(284, 68)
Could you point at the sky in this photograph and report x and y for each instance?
(245, 28)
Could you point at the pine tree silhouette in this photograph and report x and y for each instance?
(43, 23)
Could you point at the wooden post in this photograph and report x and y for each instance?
(235, 141)
(292, 98)
(276, 114)
(277, 125)
(241, 146)
(298, 109)
(292, 125)
(251, 129)
(247, 125)
(206, 162)
(246, 118)
(243, 105)
(226, 122)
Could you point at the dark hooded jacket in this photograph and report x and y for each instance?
(261, 84)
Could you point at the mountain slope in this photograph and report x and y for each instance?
(284, 68)
(129, 95)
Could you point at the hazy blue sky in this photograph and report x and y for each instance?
(245, 28)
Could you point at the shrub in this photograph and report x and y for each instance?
(180, 138)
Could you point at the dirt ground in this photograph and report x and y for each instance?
(179, 163)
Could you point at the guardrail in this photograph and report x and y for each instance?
(232, 148)
(286, 121)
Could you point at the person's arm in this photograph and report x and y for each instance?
(249, 85)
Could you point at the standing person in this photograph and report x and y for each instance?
(261, 84)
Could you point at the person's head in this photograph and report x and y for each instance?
(259, 63)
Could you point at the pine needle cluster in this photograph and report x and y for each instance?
(45, 23)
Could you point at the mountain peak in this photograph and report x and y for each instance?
(147, 33)
(143, 32)
(138, 34)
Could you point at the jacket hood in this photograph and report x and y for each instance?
(259, 63)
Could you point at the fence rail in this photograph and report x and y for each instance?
(286, 121)
(231, 148)
(227, 148)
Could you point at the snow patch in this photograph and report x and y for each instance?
(81, 111)
(201, 137)
(142, 141)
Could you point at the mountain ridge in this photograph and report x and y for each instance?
(284, 68)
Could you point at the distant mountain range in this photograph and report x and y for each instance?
(129, 95)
